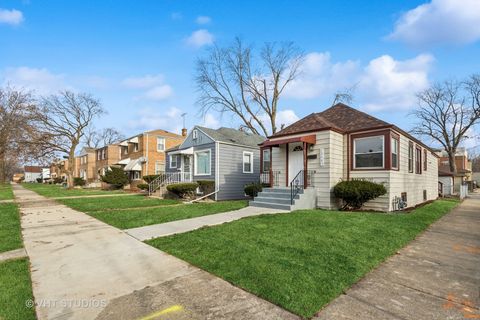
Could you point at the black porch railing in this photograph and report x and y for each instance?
(271, 178)
(299, 183)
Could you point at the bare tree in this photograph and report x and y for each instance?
(344, 96)
(20, 140)
(236, 81)
(66, 117)
(97, 139)
(447, 112)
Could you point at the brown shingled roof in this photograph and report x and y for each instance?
(339, 117)
(34, 169)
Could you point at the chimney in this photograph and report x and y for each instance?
(184, 132)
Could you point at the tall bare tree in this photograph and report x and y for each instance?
(246, 85)
(447, 111)
(97, 139)
(20, 140)
(66, 117)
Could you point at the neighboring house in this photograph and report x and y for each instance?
(105, 157)
(18, 177)
(32, 173)
(464, 167)
(144, 154)
(342, 143)
(85, 165)
(446, 181)
(229, 157)
(58, 169)
(45, 174)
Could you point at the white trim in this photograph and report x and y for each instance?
(251, 161)
(383, 152)
(263, 159)
(170, 161)
(164, 143)
(397, 140)
(195, 162)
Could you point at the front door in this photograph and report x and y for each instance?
(187, 168)
(295, 160)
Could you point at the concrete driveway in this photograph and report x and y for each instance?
(83, 268)
(437, 276)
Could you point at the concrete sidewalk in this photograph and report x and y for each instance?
(12, 254)
(181, 226)
(83, 268)
(437, 276)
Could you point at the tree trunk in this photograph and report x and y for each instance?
(451, 161)
(3, 174)
(72, 166)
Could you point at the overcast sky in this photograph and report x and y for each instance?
(138, 57)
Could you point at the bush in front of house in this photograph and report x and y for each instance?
(78, 182)
(58, 180)
(183, 190)
(206, 186)
(253, 189)
(115, 177)
(150, 178)
(142, 186)
(356, 192)
(39, 180)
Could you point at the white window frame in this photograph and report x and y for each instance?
(195, 162)
(164, 143)
(171, 162)
(251, 161)
(263, 159)
(396, 151)
(355, 153)
(159, 163)
(194, 134)
(135, 147)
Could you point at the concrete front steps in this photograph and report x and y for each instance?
(280, 198)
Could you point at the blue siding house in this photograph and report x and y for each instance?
(227, 156)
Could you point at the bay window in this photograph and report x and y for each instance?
(394, 147)
(202, 162)
(369, 152)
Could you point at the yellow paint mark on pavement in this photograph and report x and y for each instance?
(174, 308)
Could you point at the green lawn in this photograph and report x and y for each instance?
(6, 192)
(9, 227)
(125, 219)
(52, 191)
(103, 204)
(304, 259)
(15, 290)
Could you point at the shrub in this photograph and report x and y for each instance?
(150, 177)
(77, 181)
(142, 186)
(183, 190)
(356, 192)
(116, 177)
(253, 189)
(206, 186)
(39, 180)
(58, 180)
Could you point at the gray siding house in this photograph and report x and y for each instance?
(227, 156)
